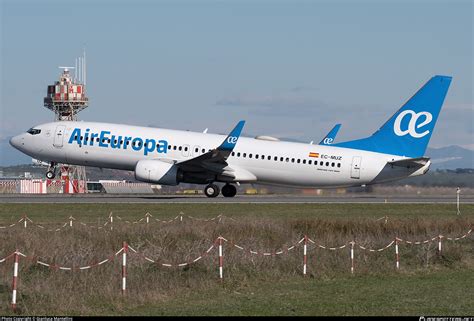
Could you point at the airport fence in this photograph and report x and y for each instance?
(308, 245)
(71, 221)
(112, 219)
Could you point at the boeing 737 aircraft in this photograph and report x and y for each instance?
(170, 157)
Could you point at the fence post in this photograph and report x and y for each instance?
(305, 256)
(124, 267)
(24, 220)
(111, 221)
(15, 278)
(458, 191)
(221, 260)
(439, 244)
(397, 255)
(147, 218)
(352, 257)
(70, 221)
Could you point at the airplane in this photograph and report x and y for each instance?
(169, 157)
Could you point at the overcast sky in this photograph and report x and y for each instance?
(291, 69)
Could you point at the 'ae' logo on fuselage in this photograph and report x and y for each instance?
(413, 124)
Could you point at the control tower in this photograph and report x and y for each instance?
(66, 98)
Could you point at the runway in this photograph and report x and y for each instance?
(268, 199)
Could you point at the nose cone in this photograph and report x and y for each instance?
(16, 141)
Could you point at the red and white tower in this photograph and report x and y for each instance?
(66, 98)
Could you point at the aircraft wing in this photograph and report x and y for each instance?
(410, 162)
(331, 136)
(216, 159)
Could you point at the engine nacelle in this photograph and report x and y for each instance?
(158, 172)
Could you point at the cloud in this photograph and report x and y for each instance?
(460, 107)
(296, 102)
(276, 101)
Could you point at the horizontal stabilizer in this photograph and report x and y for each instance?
(410, 162)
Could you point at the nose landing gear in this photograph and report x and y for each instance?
(51, 173)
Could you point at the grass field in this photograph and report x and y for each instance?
(425, 284)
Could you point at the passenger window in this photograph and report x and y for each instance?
(292, 160)
(310, 162)
(169, 146)
(298, 160)
(304, 161)
(203, 150)
(256, 156)
(281, 159)
(196, 150)
(180, 148)
(245, 154)
(269, 158)
(287, 159)
(275, 158)
(238, 154)
(338, 164)
(174, 147)
(233, 154)
(250, 155)
(327, 163)
(320, 163)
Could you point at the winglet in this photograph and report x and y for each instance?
(331, 136)
(229, 143)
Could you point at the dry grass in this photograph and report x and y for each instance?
(97, 291)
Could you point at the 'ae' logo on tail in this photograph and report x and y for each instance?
(413, 124)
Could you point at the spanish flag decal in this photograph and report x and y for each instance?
(311, 154)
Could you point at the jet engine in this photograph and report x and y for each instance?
(156, 171)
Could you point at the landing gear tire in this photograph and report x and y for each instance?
(229, 190)
(211, 190)
(50, 174)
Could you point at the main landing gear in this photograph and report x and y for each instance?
(51, 173)
(229, 190)
(212, 190)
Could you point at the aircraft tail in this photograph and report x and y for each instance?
(409, 130)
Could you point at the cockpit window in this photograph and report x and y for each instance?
(33, 131)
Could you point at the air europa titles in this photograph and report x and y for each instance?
(106, 140)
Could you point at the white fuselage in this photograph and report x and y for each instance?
(254, 160)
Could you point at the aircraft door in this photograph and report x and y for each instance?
(355, 169)
(58, 136)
